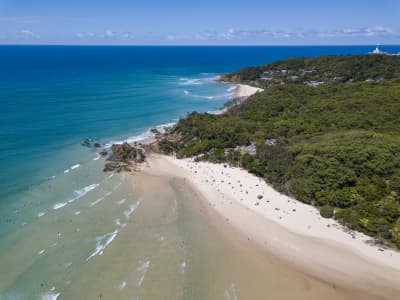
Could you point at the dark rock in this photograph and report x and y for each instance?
(260, 196)
(124, 158)
(86, 143)
(97, 145)
(155, 131)
(103, 153)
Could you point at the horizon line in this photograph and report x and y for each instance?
(201, 45)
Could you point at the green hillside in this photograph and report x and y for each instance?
(335, 146)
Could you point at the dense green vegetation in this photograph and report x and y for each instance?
(347, 68)
(335, 146)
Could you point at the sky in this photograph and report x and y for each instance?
(200, 22)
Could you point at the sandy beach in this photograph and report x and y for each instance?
(243, 90)
(288, 229)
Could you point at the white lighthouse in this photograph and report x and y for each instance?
(377, 50)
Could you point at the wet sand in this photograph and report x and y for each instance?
(222, 263)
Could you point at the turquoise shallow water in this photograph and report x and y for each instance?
(51, 188)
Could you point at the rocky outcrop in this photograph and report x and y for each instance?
(86, 142)
(89, 143)
(103, 153)
(155, 131)
(124, 157)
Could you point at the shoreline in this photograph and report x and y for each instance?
(288, 229)
(146, 138)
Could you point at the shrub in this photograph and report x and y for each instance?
(326, 211)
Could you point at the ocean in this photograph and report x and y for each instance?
(63, 222)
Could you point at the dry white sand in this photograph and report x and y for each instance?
(243, 90)
(291, 230)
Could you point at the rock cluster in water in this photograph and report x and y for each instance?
(124, 157)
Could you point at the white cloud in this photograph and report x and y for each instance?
(240, 36)
(228, 35)
(127, 35)
(29, 34)
(263, 34)
(109, 33)
(171, 37)
(359, 32)
(83, 35)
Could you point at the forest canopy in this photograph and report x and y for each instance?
(335, 146)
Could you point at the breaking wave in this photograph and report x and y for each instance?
(102, 242)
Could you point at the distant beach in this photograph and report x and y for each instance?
(243, 90)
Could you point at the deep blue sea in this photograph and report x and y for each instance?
(53, 97)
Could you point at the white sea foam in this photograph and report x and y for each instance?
(66, 171)
(161, 127)
(96, 201)
(142, 271)
(79, 194)
(97, 156)
(120, 202)
(59, 205)
(77, 213)
(197, 81)
(102, 242)
(83, 191)
(122, 285)
(41, 214)
(183, 266)
(230, 293)
(117, 186)
(42, 251)
(144, 266)
(140, 137)
(187, 81)
(231, 88)
(75, 166)
(51, 295)
(132, 139)
(215, 112)
(100, 199)
(186, 92)
(119, 224)
(131, 209)
(203, 97)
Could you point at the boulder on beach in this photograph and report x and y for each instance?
(155, 131)
(124, 157)
(86, 143)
